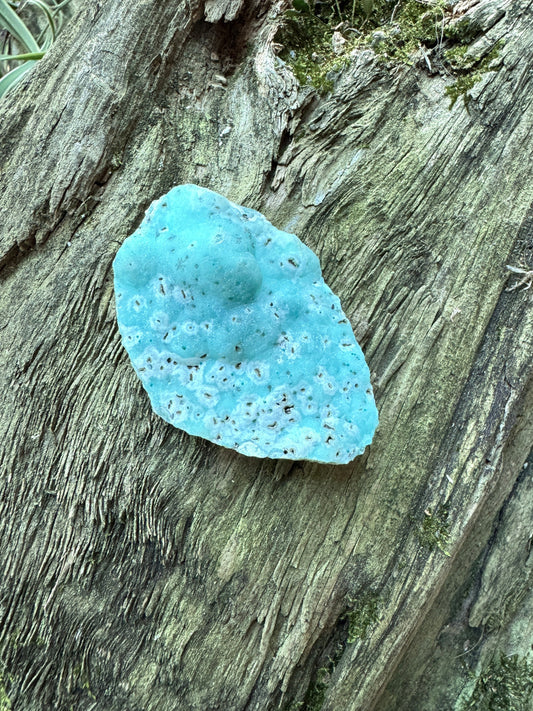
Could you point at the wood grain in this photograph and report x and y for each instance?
(145, 569)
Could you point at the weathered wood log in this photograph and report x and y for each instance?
(145, 569)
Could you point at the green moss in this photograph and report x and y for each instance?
(316, 694)
(458, 60)
(80, 677)
(396, 33)
(469, 70)
(463, 30)
(362, 613)
(306, 37)
(433, 531)
(416, 24)
(506, 684)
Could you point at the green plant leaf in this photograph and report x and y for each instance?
(24, 57)
(59, 5)
(16, 27)
(48, 14)
(9, 80)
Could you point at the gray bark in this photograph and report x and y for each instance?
(146, 569)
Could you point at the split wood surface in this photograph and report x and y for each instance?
(146, 569)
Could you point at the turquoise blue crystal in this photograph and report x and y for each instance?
(235, 335)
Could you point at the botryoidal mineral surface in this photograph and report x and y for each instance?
(235, 335)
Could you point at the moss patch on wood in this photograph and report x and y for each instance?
(362, 613)
(433, 531)
(316, 694)
(469, 70)
(505, 684)
(319, 39)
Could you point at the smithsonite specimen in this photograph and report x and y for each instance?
(236, 337)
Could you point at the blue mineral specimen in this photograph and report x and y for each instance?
(236, 337)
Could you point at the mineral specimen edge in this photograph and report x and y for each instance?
(236, 337)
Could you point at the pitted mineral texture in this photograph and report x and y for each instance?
(236, 337)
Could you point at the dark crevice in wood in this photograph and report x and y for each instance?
(10, 258)
(284, 143)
